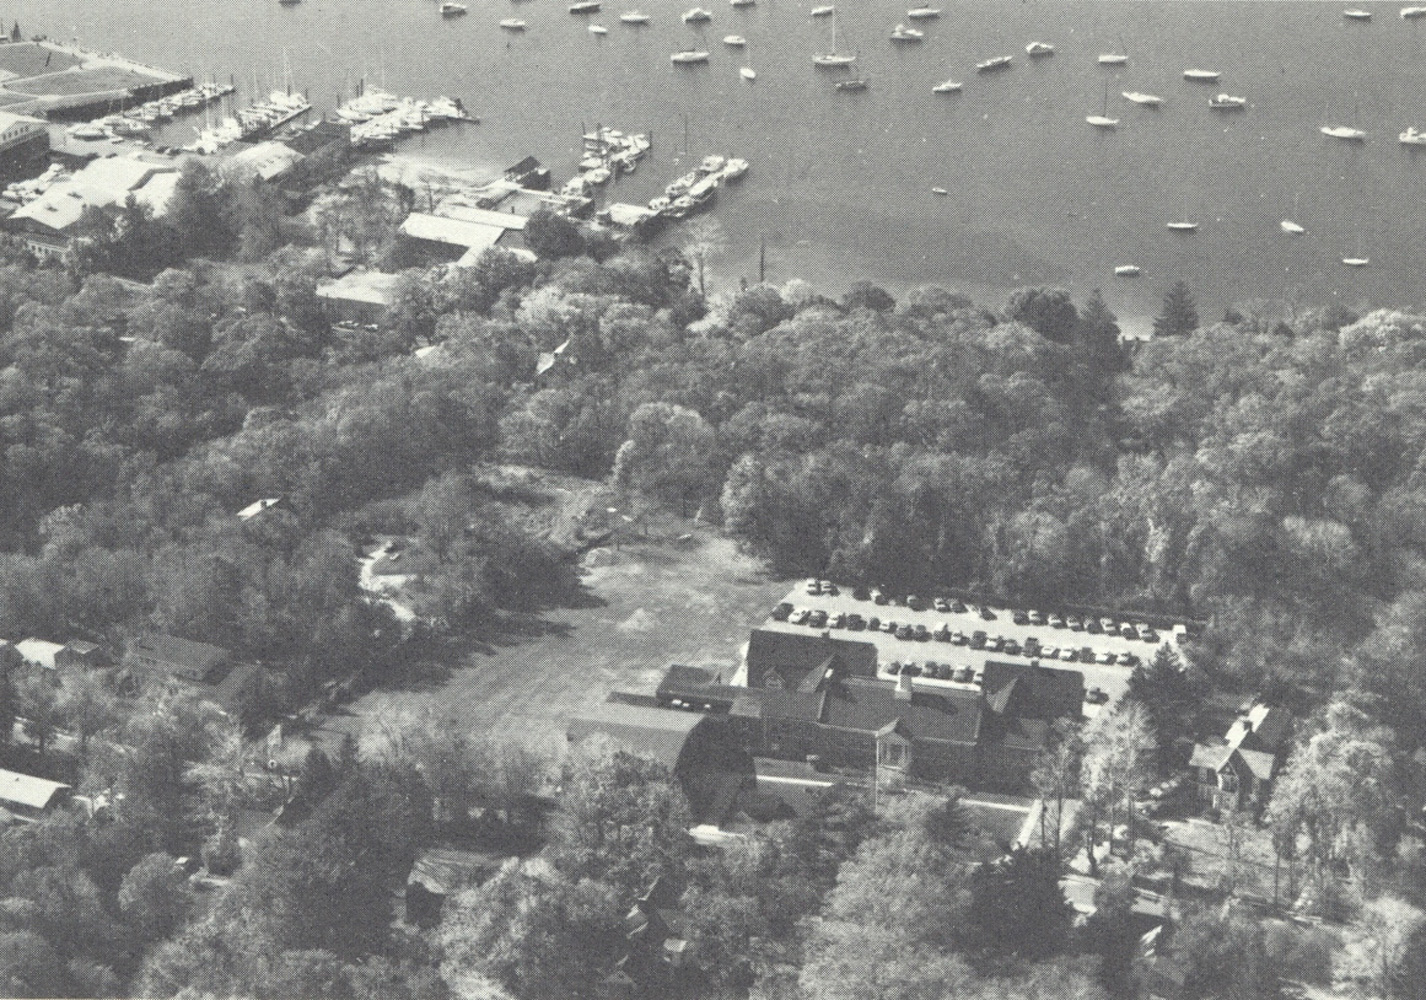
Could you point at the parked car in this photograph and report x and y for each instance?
(959, 638)
(905, 632)
(1048, 652)
(915, 603)
(1020, 617)
(855, 622)
(782, 612)
(941, 604)
(818, 619)
(1069, 654)
(977, 639)
(1110, 626)
(942, 634)
(1056, 621)
(957, 607)
(814, 587)
(1011, 648)
(1096, 696)
(873, 624)
(800, 618)
(911, 670)
(1149, 635)
(1093, 627)
(979, 677)
(1037, 618)
(963, 675)
(839, 620)
(1129, 631)
(986, 613)
(996, 645)
(1075, 623)
(860, 593)
(889, 627)
(877, 597)
(1128, 660)
(1104, 658)
(1032, 645)
(828, 587)
(943, 672)
(894, 667)
(921, 633)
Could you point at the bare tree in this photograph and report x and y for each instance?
(706, 239)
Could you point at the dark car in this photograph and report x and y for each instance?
(873, 624)
(921, 632)
(996, 645)
(1021, 618)
(782, 612)
(943, 672)
(1149, 635)
(860, 593)
(894, 667)
(1011, 648)
(1128, 631)
(911, 669)
(905, 632)
(1037, 618)
(977, 639)
(1128, 660)
(878, 597)
(818, 619)
(839, 620)
(1096, 696)
(1075, 623)
(889, 627)
(915, 603)
(963, 675)
(987, 614)
(942, 634)
(957, 607)
(855, 622)
(801, 617)
(828, 587)
(1093, 627)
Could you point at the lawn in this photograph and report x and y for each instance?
(98, 80)
(20, 60)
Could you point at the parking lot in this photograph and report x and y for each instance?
(946, 656)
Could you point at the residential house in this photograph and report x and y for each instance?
(24, 146)
(210, 669)
(988, 737)
(78, 653)
(25, 797)
(441, 872)
(359, 297)
(700, 751)
(783, 659)
(38, 652)
(255, 508)
(1238, 771)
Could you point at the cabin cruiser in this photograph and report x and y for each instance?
(1227, 102)
(697, 15)
(1343, 132)
(1149, 100)
(1201, 75)
(1037, 49)
(947, 87)
(901, 33)
(923, 13)
(689, 56)
(999, 62)
(1411, 137)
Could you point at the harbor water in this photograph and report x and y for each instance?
(840, 184)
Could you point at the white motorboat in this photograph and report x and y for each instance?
(923, 13)
(1113, 59)
(634, 17)
(999, 62)
(1410, 13)
(1102, 121)
(1183, 227)
(449, 9)
(1127, 271)
(598, 29)
(1227, 102)
(688, 57)
(585, 7)
(824, 11)
(1291, 228)
(1201, 75)
(1411, 137)
(735, 41)
(513, 24)
(1138, 97)
(1343, 132)
(1036, 50)
(748, 73)
(735, 168)
(939, 190)
(901, 33)
(743, 3)
(1353, 14)
(697, 15)
(856, 83)
(947, 87)
(1356, 261)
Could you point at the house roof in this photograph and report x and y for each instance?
(444, 870)
(26, 790)
(1029, 691)
(266, 160)
(38, 651)
(7, 120)
(869, 706)
(1259, 762)
(257, 507)
(484, 216)
(1256, 736)
(1210, 755)
(454, 232)
(102, 183)
(230, 691)
(184, 654)
(80, 646)
(659, 733)
(371, 287)
(793, 655)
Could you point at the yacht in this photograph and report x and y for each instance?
(1411, 137)
(584, 7)
(1127, 271)
(901, 33)
(688, 57)
(735, 41)
(1201, 75)
(856, 83)
(832, 58)
(1343, 132)
(1357, 15)
(999, 62)
(1227, 102)
(1356, 261)
(450, 9)
(923, 13)
(598, 29)
(1410, 13)
(634, 17)
(1183, 227)
(1113, 59)
(939, 190)
(824, 11)
(743, 3)
(1036, 49)
(947, 87)
(1149, 100)
(1102, 121)
(735, 168)
(513, 24)
(1291, 228)
(697, 15)
(748, 73)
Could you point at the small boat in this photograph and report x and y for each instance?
(1201, 75)
(856, 83)
(748, 73)
(743, 3)
(999, 62)
(1183, 227)
(1227, 102)
(1035, 50)
(939, 191)
(1411, 137)
(598, 29)
(1356, 261)
(634, 17)
(450, 9)
(585, 7)
(1113, 59)
(825, 11)
(832, 59)
(599, 175)
(1291, 228)
(1353, 14)
(697, 15)
(1410, 13)
(688, 57)
(1102, 120)
(1127, 271)
(923, 13)
(513, 24)
(1343, 132)
(1148, 100)
(947, 87)
(735, 41)
(901, 33)
(735, 168)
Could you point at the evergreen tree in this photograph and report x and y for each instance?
(1096, 336)
(1166, 694)
(1017, 906)
(1180, 314)
(1047, 311)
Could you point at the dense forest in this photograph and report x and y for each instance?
(1263, 473)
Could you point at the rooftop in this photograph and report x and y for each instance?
(484, 216)
(102, 183)
(793, 655)
(650, 732)
(453, 232)
(184, 654)
(27, 790)
(372, 287)
(39, 651)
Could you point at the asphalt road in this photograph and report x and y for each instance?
(1112, 679)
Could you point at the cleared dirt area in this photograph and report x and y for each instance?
(651, 602)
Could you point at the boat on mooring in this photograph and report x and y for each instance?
(823, 11)
(947, 87)
(1354, 14)
(634, 17)
(1411, 137)
(1183, 227)
(855, 83)
(689, 57)
(832, 59)
(1201, 75)
(735, 41)
(585, 7)
(450, 9)
(697, 15)
(1227, 102)
(513, 24)
(1038, 50)
(1411, 13)
(748, 73)
(923, 13)
(901, 33)
(1138, 97)
(1346, 132)
(1356, 261)
(989, 65)
(1291, 228)
(1127, 271)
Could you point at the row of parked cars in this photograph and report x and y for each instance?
(977, 639)
(965, 675)
(951, 605)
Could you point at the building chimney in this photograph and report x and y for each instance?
(903, 687)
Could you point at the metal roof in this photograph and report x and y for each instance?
(484, 216)
(27, 790)
(454, 232)
(372, 287)
(39, 651)
(659, 733)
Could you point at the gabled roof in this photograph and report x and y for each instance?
(38, 651)
(868, 706)
(1210, 755)
(1029, 691)
(465, 213)
(26, 790)
(371, 287)
(183, 655)
(257, 507)
(1257, 736)
(444, 870)
(453, 232)
(659, 733)
(1259, 763)
(792, 655)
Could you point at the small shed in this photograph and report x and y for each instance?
(27, 797)
(440, 872)
(362, 297)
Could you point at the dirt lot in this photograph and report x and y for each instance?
(652, 602)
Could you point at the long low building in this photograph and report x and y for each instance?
(49, 224)
(26, 797)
